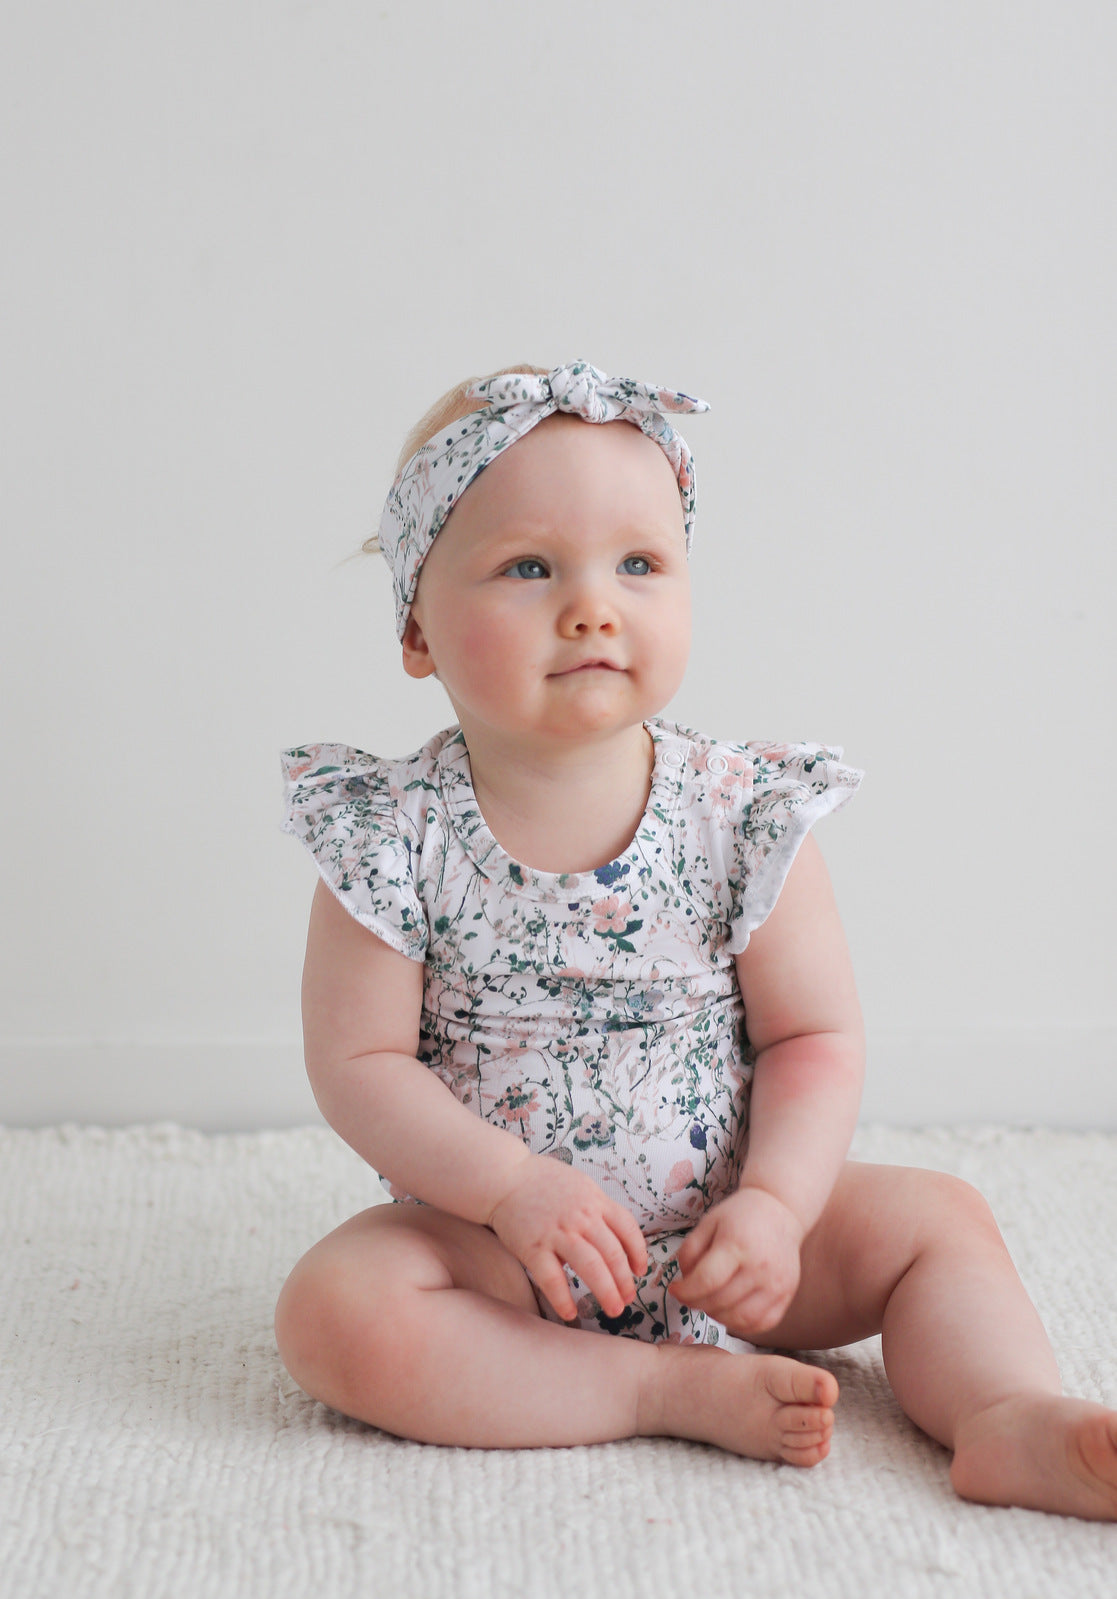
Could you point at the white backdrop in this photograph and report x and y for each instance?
(246, 244)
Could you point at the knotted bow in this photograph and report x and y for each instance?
(431, 482)
(582, 390)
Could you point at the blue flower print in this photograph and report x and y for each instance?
(608, 875)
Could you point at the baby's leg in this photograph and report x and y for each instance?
(426, 1326)
(917, 1256)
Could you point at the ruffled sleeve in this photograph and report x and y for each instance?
(793, 787)
(339, 803)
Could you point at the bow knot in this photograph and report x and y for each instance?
(583, 390)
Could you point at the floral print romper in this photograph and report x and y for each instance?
(596, 1015)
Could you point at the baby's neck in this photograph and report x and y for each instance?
(568, 809)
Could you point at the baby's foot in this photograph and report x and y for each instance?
(763, 1406)
(1043, 1452)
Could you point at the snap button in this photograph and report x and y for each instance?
(672, 757)
(717, 764)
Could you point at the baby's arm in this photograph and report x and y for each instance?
(361, 1007)
(741, 1262)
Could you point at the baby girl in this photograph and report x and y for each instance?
(577, 988)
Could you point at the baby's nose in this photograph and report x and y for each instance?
(588, 611)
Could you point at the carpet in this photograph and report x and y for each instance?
(151, 1444)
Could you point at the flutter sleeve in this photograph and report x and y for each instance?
(339, 803)
(793, 787)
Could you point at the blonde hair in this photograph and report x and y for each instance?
(451, 407)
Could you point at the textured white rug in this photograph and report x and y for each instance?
(151, 1444)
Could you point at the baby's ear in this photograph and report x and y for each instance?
(417, 658)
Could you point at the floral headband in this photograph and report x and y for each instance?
(438, 474)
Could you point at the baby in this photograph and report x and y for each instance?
(576, 986)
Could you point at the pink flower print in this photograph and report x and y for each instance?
(679, 1177)
(516, 1105)
(728, 775)
(590, 1130)
(611, 915)
(778, 754)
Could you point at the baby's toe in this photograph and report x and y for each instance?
(800, 1420)
(806, 1454)
(790, 1382)
(805, 1432)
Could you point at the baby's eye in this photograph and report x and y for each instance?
(636, 566)
(531, 566)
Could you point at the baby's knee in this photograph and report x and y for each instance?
(343, 1317)
(954, 1207)
(313, 1320)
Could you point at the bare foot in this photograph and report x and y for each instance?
(763, 1406)
(1043, 1452)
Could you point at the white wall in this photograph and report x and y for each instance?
(246, 244)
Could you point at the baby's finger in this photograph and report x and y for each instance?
(757, 1312)
(712, 1272)
(627, 1229)
(694, 1245)
(551, 1281)
(726, 1303)
(583, 1257)
(613, 1253)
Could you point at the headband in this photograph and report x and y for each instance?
(431, 482)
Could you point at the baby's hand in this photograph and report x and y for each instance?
(553, 1216)
(740, 1264)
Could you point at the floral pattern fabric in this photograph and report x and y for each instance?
(595, 1015)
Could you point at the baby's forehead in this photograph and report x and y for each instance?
(581, 432)
(568, 444)
(567, 473)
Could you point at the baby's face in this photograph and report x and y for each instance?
(555, 602)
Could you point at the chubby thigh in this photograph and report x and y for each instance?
(879, 1222)
(400, 1247)
(362, 1276)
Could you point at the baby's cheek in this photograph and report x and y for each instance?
(480, 634)
(486, 646)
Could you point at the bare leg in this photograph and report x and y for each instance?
(426, 1326)
(917, 1256)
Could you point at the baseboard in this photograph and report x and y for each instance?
(217, 1085)
(1019, 1076)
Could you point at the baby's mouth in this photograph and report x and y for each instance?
(589, 666)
